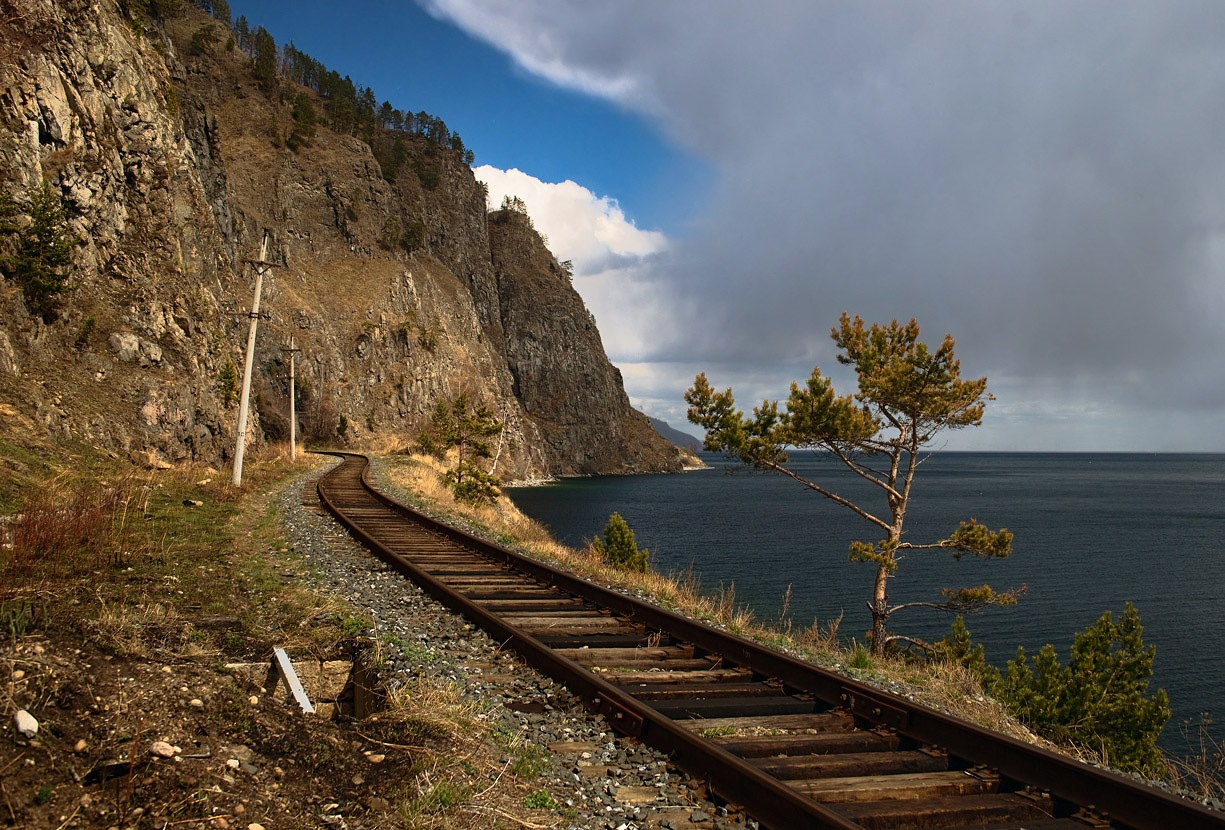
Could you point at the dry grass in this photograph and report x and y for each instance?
(1202, 772)
(465, 774)
(140, 630)
(64, 531)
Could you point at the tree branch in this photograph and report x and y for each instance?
(864, 472)
(829, 494)
(939, 606)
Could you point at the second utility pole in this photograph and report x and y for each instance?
(293, 412)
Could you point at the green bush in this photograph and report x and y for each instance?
(619, 548)
(37, 254)
(1099, 700)
(227, 382)
(467, 430)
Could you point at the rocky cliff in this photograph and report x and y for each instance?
(398, 288)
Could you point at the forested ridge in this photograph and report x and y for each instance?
(349, 107)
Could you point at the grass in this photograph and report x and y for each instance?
(145, 555)
(1202, 771)
(530, 761)
(477, 771)
(177, 564)
(540, 800)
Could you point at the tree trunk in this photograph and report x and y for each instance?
(880, 611)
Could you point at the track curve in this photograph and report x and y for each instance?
(794, 745)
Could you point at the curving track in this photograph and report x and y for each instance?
(794, 745)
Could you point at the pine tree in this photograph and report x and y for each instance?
(467, 430)
(304, 118)
(908, 396)
(619, 548)
(227, 382)
(264, 68)
(41, 250)
(1100, 699)
(958, 647)
(242, 32)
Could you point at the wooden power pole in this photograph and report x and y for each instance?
(261, 267)
(293, 410)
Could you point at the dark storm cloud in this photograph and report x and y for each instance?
(1044, 180)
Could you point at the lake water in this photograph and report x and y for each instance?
(1093, 531)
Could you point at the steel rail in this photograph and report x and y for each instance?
(734, 780)
(1072, 785)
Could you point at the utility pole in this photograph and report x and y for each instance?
(261, 266)
(293, 412)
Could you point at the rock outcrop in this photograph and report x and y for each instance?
(399, 290)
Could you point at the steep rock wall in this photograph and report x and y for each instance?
(561, 375)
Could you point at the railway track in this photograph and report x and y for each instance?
(794, 745)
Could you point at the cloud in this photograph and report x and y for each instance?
(1044, 181)
(613, 259)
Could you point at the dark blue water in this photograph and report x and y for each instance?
(1093, 531)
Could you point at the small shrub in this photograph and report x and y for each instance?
(413, 238)
(202, 39)
(1099, 700)
(618, 548)
(427, 338)
(37, 254)
(427, 173)
(540, 800)
(85, 332)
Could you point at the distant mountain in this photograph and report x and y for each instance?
(682, 439)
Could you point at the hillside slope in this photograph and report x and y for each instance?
(392, 283)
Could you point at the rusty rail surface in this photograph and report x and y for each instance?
(794, 745)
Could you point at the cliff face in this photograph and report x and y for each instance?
(399, 292)
(560, 373)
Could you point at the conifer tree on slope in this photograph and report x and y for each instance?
(908, 395)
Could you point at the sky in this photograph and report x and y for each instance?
(1043, 180)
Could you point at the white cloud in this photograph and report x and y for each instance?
(614, 261)
(518, 30)
(580, 225)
